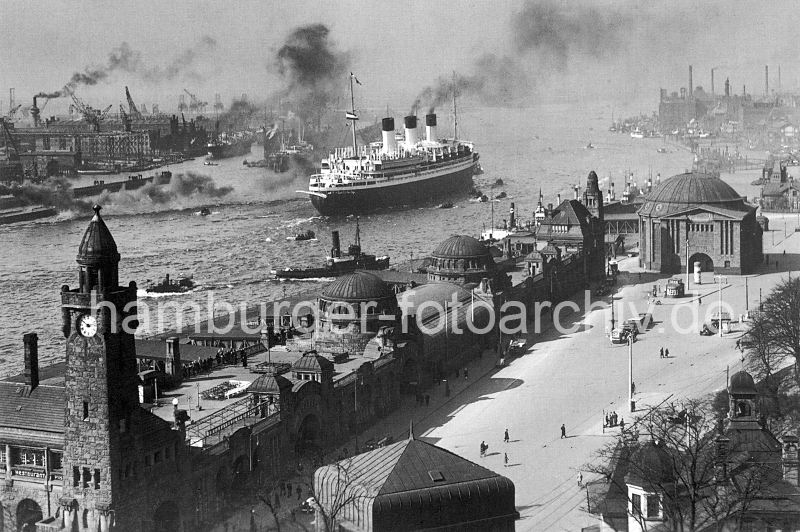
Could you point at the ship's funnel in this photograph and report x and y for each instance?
(430, 127)
(411, 130)
(336, 250)
(387, 130)
(511, 219)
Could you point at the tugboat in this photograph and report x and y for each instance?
(305, 235)
(205, 211)
(338, 263)
(169, 286)
(386, 174)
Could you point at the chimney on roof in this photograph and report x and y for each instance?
(558, 197)
(172, 364)
(31, 371)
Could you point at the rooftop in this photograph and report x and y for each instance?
(460, 246)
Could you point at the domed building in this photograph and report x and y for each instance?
(698, 219)
(352, 309)
(461, 259)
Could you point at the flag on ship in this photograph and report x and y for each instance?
(355, 78)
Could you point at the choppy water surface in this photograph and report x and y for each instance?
(234, 249)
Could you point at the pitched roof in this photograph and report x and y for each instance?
(410, 465)
(40, 409)
(571, 214)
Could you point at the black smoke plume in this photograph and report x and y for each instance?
(546, 37)
(126, 59)
(314, 70)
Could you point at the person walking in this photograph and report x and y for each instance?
(505, 459)
(580, 479)
(666, 353)
(505, 437)
(563, 431)
(661, 353)
(466, 374)
(483, 448)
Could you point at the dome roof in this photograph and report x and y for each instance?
(742, 383)
(692, 188)
(358, 286)
(313, 362)
(97, 246)
(269, 383)
(460, 247)
(650, 465)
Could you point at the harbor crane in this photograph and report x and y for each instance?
(196, 105)
(133, 112)
(92, 116)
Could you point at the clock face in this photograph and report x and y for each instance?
(87, 325)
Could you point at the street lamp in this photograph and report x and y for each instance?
(687, 254)
(630, 374)
(720, 279)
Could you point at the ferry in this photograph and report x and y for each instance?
(392, 172)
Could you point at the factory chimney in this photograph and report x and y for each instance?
(727, 87)
(766, 81)
(35, 114)
(411, 130)
(387, 130)
(691, 86)
(336, 250)
(430, 127)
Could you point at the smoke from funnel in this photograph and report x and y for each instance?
(313, 68)
(124, 58)
(545, 37)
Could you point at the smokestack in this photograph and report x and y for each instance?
(558, 196)
(336, 250)
(411, 130)
(613, 194)
(31, 365)
(691, 86)
(389, 143)
(35, 114)
(766, 80)
(430, 127)
(511, 220)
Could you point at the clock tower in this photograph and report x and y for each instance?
(101, 384)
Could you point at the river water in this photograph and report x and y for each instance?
(233, 250)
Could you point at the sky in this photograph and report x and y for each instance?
(508, 53)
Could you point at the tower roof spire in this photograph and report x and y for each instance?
(97, 246)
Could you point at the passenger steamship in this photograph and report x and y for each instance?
(392, 172)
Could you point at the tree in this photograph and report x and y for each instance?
(337, 491)
(681, 458)
(763, 359)
(781, 326)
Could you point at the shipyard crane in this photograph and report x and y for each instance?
(133, 112)
(92, 116)
(13, 111)
(196, 104)
(10, 140)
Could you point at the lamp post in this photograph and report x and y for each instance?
(355, 409)
(746, 299)
(630, 374)
(760, 302)
(687, 254)
(613, 321)
(720, 279)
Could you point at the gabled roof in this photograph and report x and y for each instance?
(40, 409)
(779, 189)
(570, 213)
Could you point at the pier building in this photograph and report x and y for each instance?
(698, 218)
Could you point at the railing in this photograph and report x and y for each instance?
(214, 427)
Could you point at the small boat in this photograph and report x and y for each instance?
(446, 205)
(209, 163)
(478, 169)
(499, 182)
(637, 134)
(205, 211)
(305, 235)
(662, 150)
(501, 195)
(169, 286)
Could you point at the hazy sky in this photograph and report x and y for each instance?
(509, 51)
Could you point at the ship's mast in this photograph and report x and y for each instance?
(455, 109)
(354, 117)
(358, 234)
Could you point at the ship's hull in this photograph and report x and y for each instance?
(223, 151)
(364, 200)
(334, 271)
(27, 214)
